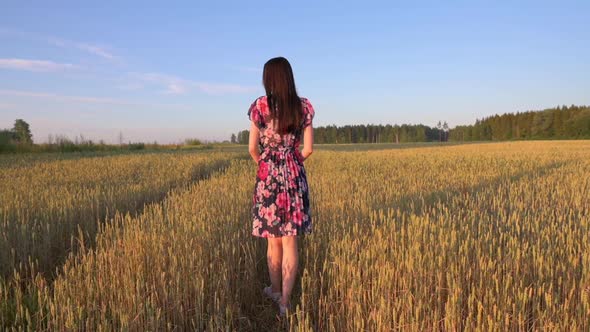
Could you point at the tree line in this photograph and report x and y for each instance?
(561, 122)
(370, 133)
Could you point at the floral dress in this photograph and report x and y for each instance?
(281, 194)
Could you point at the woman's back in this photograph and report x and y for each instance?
(259, 112)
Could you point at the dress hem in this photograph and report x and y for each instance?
(277, 236)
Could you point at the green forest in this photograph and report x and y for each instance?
(554, 123)
(561, 122)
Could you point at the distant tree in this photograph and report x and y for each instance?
(22, 132)
(243, 137)
(445, 128)
(6, 136)
(120, 138)
(192, 141)
(6, 140)
(558, 123)
(234, 138)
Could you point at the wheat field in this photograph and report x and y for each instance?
(472, 237)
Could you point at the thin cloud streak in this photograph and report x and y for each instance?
(93, 49)
(172, 85)
(35, 65)
(97, 50)
(83, 99)
(176, 85)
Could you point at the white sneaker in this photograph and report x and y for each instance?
(275, 296)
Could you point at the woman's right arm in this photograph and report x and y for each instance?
(307, 141)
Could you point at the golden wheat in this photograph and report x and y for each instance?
(43, 204)
(474, 237)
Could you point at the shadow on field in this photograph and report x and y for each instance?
(419, 203)
(263, 316)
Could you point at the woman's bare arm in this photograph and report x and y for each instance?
(253, 142)
(307, 142)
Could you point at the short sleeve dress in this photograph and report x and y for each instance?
(281, 194)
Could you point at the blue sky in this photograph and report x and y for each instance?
(171, 71)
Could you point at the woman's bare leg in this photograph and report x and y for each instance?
(274, 258)
(290, 263)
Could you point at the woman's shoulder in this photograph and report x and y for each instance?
(260, 104)
(308, 111)
(263, 97)
(307, 105)
(306, 102)
(257, 111)
(258, 100)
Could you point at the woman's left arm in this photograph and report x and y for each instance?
(253, 140)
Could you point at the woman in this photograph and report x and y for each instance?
(280, 209)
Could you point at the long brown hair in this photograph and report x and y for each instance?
(281, 93)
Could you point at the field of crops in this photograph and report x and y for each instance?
(466, 237)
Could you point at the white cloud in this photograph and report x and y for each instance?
(175, 89)
(82, 99)
(177, 85)
(93, 49)
(96, 50)
(35, 65)
(171, 84)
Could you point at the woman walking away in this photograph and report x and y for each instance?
(280, 209)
